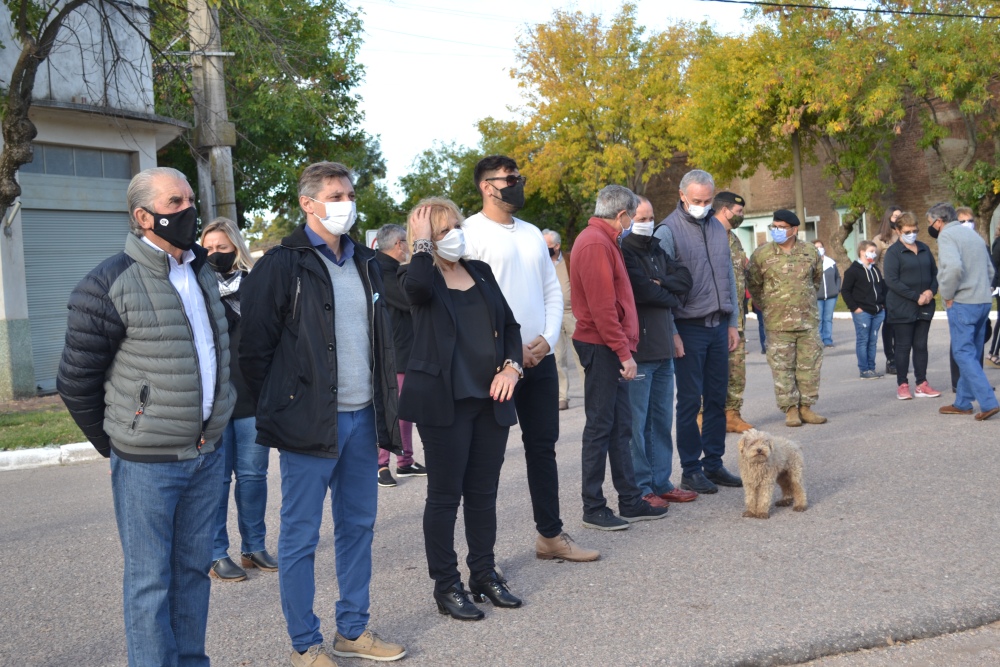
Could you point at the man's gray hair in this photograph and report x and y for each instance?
(555, 236)
(697, 176)
(942, 211)
(315, 175)
(389, 235)
(614, 199)
(142, 191)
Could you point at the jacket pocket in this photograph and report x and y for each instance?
(141, 408)
(424, 367)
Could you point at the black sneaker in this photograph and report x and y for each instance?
(644, 512)
(385, 477)
(412, 470)
(698, 483)
(604, 519)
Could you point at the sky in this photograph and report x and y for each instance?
(433, 68)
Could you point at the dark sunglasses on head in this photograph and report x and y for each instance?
(511, 180)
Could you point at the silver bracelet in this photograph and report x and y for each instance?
(423, 245)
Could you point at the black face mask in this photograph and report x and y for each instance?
(178, 229)
(933, 231)
(513, 195)
(552, 252)
(222, 262)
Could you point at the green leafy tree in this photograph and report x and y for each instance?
(289, 87)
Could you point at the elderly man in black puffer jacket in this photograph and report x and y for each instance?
(145, 374)
(659, 284)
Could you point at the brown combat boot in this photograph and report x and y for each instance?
(810, 417)
(563, 547)
(735, 423)
(792, 417)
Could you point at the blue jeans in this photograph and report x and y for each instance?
(866, 328)
(166, 513)
(353, 490)
(967, 324)
(702, 379)
(249, 461)
(826, 307)
(652, 418)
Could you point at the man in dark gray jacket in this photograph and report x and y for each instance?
(707, 327)
(145, 375)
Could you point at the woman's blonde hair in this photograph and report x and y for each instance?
(442, 210)
(244, 262)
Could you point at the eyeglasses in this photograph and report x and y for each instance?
(773, 227)
(511, 180)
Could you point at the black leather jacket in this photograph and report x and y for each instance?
(288, 351)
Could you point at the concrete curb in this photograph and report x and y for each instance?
(20, 459)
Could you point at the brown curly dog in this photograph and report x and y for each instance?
(764, 460)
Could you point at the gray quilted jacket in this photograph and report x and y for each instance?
(129, 371)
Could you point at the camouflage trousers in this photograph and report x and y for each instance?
(737, 376)
(795, 358)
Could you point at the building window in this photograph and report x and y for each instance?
(860, 232)
(84, 162)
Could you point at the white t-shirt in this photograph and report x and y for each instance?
(520, 261)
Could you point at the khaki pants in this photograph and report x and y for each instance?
(566, 357)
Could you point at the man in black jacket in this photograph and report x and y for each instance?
(317, 353)
(658, 283)
(392, 251)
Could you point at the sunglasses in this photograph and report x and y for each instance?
(510, 180)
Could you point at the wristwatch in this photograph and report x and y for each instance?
(516, 366)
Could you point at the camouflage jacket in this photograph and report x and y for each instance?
(783, 285)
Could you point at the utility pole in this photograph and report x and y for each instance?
(800, 205)
(214, 135)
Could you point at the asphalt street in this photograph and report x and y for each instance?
(898, 544)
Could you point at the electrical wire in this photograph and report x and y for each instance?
(441, 39)
(906, 12)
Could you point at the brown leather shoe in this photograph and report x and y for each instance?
(655, 500)
(563, 547)
(735, 423)
(792, 417)
(952, 410)
(983, 416)
(810, 417)
(564, 405)
(679, 495)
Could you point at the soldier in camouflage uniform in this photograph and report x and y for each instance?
(728, 208)
(783, 278)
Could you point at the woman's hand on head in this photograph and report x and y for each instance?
(420, 223)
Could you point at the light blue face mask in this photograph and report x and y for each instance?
(779, 234)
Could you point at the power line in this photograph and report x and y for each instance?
(441, 39)
(874, 10)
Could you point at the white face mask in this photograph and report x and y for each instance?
(643, 228)
(452, 246)
(910, 238)
(821, 251)
(971, 224)
(340, 216)
(871, 255)
(697, 212)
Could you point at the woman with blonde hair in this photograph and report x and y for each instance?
(464, 363)
(229, 256)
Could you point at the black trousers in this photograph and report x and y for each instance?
(911, 336)
(463, 465)
(536, 398)
(995, 345)
(608, 430)
(889, 341)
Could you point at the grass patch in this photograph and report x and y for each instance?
(38, 428)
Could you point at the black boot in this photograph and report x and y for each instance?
(226, 570)
(492, 586)
(455, 601)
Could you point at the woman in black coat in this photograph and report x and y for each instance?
(911, 276)
(465, 361)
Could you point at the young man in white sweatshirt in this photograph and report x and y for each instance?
(519, 257)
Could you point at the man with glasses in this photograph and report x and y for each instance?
(783, 278)
(519, 257)
(707, 326)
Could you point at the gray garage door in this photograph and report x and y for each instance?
(60, 248)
